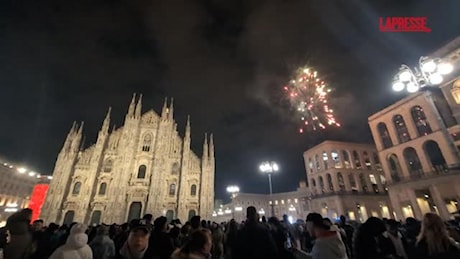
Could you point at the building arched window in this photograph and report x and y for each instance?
(318, 165)
(419, 118)
(146, 143)
(341, 181)
(363, 182)
(329, 182)
(401, 129)
(367, 160)
(193, 190)
(357, 160)
(352, 181)
(172, 189)
(321, 184)
(412, 161)
(346, 159)
(378, 165)
(335, 158)
(141, 172)
(325, 160)
(310, 165)
(384, 135)
(108, 165)
(102, 188)
(76, 188)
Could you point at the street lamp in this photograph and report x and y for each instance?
(430, 72)
(269, 168)
(233, 190)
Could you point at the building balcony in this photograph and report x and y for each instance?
(347, 193)
(397, 179)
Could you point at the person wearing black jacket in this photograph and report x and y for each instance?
(254, 239)
(160, 244)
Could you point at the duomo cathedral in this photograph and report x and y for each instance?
(142, 167)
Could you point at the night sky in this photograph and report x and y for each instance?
(224, 62)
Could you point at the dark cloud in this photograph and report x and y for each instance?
(222, 61)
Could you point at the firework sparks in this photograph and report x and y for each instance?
(307, 93)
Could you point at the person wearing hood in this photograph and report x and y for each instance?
(137, 243)
(20, 244)
(103, 247)
(328, 244)
(75, 246)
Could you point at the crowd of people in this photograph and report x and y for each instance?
(314, 237)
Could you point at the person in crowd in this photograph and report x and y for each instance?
(254, 239)
(434, 241)
(217, 241)
(411, 229)
(122, 236)
(197, 247)
(137, 242)
(76, 245)
(103, 247)
(185, 231)
(327, 242)
(161, 244)
(398, 242)
(231, 237)
(280, 235)
(37, 225)
(174, 234)
(21, 243)
(46, 243)
(292, 232)
(195, 223)
(349, 231)
(148, 220)
(368, 240)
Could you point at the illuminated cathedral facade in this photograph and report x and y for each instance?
(145, 166)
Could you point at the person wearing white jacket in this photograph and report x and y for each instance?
(76, 246)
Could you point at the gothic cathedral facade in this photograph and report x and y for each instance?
(141, 167)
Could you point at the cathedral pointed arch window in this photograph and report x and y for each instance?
(102, 188)
(193, 190)
(146, 143)
(401, 129)
(76, 188)
(172, 189)
(141, 172)
(108, 165)
(419, 118)
(384, 135)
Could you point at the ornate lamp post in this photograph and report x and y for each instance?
(269, 168)
(429, 72)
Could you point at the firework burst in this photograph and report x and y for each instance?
(308, 96)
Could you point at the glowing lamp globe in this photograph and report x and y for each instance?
(398, 86)
(436, 79)
(429, 66)
(412, 87)
(405, 76)
(445, 68)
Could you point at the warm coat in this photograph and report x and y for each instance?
(75, 246)
(20, 244)
(329, 247)
(254, 241)
(103, 247)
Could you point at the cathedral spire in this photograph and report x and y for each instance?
(164, 110)
(187, 128)
(106, 123)
(139, 107)
(211, 147)
(132, 107)
(205, 148)
(75, 146)
(171, 109)
(80, 129)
